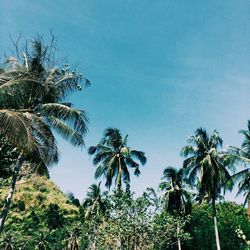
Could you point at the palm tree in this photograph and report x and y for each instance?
(94, 201)
(242, 155)
(151, 195)
(113, 157)
(96, 205)
(32, 104)
(178, 200)
(205, 168)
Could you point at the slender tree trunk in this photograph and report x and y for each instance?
(216, 226)
(178, 238)
(8, 199)
(119, 184)
(248, 210)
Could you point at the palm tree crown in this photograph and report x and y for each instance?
(94, 202)
(32, 103)
(113, 157)
(178, 200)
(242, 155)
(205, 164)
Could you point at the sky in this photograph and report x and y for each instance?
(159, 70)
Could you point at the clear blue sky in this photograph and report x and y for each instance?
(159, 70)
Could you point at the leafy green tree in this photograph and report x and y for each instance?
(232, 217)
(113, 157)
(164, 231)
(128, 223)
(32, 103)
(178, 200)
(53, 217)
(205, 168)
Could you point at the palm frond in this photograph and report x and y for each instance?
(15, 126)
(65, 85)
(169, 173)
(131, 163)
(47, 143)
(139, 155)
(77, 118)
(164, 186)
(101, 169)
(188, 150)
(126, 175)
(92, 150)
(65, 131)
(101, 156)
(21, 93)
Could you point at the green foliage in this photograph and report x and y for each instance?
(51, 218)
(33, 100)
(54, 218)
(127, 223)
(33, 95)
(165, 231)
(8, 157)
(130, 223)
(231, 217)
(21, 205)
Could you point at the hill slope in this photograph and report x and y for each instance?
(38, 208)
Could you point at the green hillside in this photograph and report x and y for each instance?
(39, 208)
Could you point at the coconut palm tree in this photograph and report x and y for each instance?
(32, 107)
(178, 199)
(205, 168)
(114, 157)
(94, 201)
(151, 195)
(242, 155)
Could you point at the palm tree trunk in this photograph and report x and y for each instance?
(216, 226)
(178, 238)
(119, 184)
(248, 210)
(8, 199)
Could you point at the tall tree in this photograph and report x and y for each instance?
(178, 199)
(114, 157)
(32, 104)
(205, 168)
(242, 155)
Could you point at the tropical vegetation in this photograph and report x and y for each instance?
(187, 211)
(113, 157)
